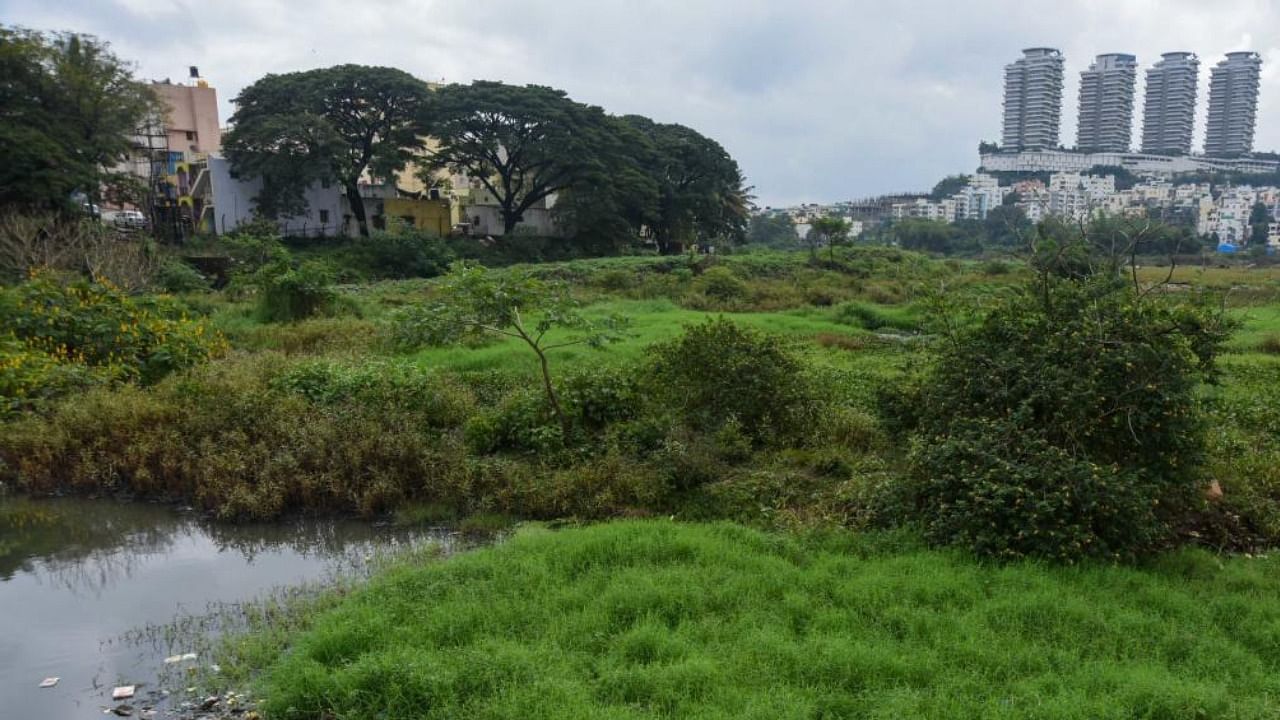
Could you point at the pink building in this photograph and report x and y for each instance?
(192, 123)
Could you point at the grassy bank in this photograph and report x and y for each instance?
(656, 619)
(327, 414)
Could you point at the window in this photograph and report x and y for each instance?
(324, 183)
(191, 135)
(324, 217)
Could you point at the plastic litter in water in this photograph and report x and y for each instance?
(123, 692)
(49, 682)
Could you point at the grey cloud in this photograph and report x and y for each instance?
(818, 100)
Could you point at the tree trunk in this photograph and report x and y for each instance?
(551, 395)
(357, 208)
(510, 219)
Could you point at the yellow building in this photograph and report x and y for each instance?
(429, 215)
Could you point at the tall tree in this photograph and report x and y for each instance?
(69, 110)
(702, 194)
(608, 209)
(1259, 224)
(336, 123)
(523, 144)
(831, 231)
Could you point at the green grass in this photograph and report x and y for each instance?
(644, 619)
(1257, 325)
(650, 321)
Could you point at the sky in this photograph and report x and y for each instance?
(818, 101)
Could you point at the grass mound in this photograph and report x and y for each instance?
(655, 619)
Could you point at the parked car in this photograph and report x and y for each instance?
(128, 219)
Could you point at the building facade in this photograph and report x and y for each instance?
(1139, 163)
(1169, 108)
(1033, 100)
(1106, 103)
(1233, 104)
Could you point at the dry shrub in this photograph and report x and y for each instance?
(31, 242)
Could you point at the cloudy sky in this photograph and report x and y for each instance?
(818, 101)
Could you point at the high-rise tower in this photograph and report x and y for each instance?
(1233, 104)
(1106, 104)
(1169, 110)
(1033, 100)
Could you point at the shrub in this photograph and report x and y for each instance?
(253, 438)
(1065, 423)
(29, 378)
(96, 324)
(719, 283)
(1006, 491)
(176, 276)
(253, 247)
(996, 267)
(405, 254)
(288, 294)
(718, 372)
(869, 316)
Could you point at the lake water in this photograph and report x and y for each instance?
(86, 587)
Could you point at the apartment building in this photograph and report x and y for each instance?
(1169, 107)
(1233, 104)
(1033, 100)
(1106, 104)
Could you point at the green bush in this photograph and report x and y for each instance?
(30, 379)
(1007, 492)
(719, 283)
(869, 316)
(1065, 424)
(288, 294)
(176, 276)
(720, 372)
(253, 438)
(253, 247)
(405, 254)
(94, 323)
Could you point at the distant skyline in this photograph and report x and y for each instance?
(818, 101)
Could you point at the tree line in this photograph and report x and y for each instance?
(614, 177)
(70, 110)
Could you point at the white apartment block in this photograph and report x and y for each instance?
(1169, 112)
(1233, 104)
(1106, 103)
(1033, 100)
(1137, 163)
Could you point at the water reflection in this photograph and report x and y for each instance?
(89, 590)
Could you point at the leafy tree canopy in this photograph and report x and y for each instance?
(335, 123)
(773, 230)
(69, 110)
(522, 144)
(702, 194)
(948, 186)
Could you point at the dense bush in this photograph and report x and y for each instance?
(404, 254)
(175, 276)
(30, 378)
(869, 316)
(255, 437)
(721, 284)
(287, 293)
(94, 323)
(719, 372)
(1065, 423)
(253, 247)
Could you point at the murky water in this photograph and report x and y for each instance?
(79, 578)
